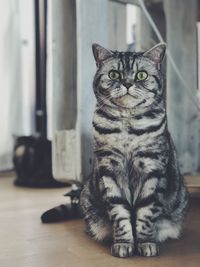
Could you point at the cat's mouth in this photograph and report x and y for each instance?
(127, 100)
(129, 95)
(134, 96)
(125, 93)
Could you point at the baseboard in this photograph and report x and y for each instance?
(193, 184)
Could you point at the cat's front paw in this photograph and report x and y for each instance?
(122, 250)
(148, 249)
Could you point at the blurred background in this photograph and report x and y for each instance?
(47, 68)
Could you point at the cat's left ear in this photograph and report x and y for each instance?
(156, 53)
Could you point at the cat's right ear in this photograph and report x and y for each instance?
(156, 53)
(100, 53)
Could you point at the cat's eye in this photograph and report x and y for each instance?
(141, 76)
(114, 75)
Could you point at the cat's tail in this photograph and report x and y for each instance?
(69, 211)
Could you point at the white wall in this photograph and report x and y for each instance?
(16, 98)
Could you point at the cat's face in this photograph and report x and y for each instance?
(128, 79)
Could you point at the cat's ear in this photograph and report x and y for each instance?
(100, 53)
(156, 53)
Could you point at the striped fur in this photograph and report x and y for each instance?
(136, 196)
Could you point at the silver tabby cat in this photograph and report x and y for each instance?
(136, 196)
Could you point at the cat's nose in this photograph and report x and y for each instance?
(127, 85)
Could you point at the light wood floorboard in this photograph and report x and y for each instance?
(26, 242)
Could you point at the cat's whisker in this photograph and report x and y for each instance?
(103, 102)
(103, 98)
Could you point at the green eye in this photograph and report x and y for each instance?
(114, 75)
(141, 75)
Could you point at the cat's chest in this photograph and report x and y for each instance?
(113, 133)
(128, 134)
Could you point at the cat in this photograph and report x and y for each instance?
(136, 197)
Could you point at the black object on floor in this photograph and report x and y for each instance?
(33, 163)
(65, 212)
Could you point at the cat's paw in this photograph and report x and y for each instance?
(122, 250)
(148, 249)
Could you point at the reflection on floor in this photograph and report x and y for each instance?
(26, 242)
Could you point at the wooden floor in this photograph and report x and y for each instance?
(26, 242)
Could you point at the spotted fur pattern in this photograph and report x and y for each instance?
(136, 196)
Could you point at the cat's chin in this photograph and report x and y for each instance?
(125, 101)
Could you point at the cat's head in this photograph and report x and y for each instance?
(128, 79)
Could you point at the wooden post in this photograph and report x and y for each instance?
(62, 68)
(184, 124)
(92, 17)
